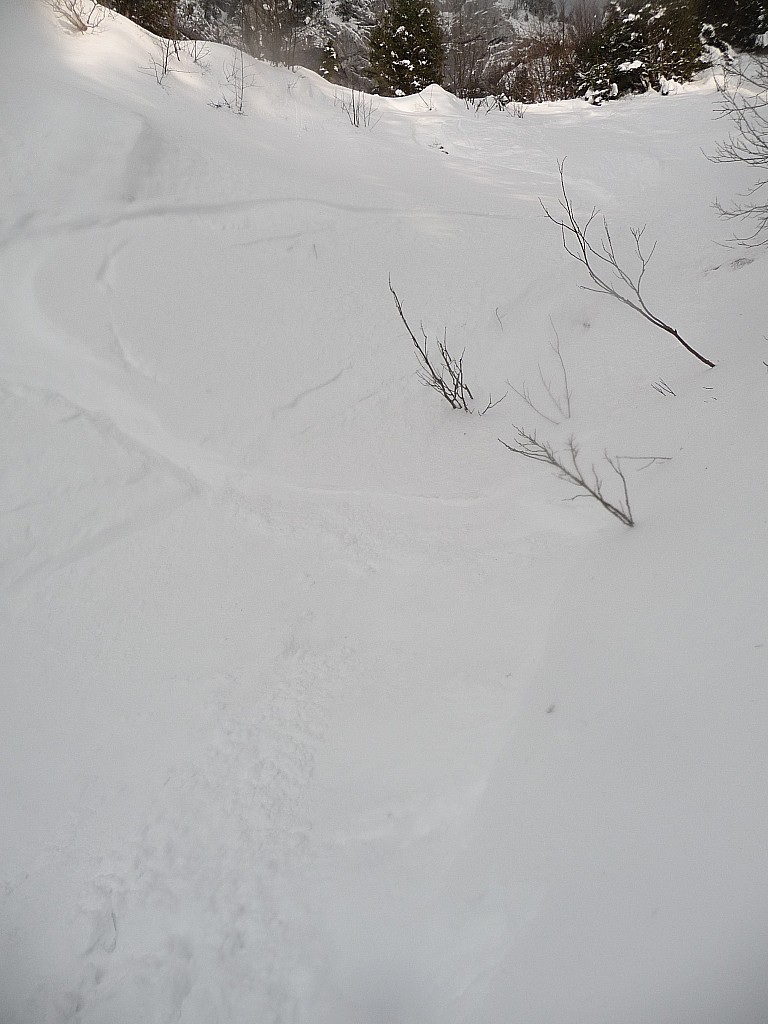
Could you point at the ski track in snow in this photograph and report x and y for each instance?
(204, 899)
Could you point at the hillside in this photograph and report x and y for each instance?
(318, 704)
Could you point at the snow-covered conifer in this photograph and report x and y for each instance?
(406, 48)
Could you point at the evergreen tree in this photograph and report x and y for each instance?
(640, 45)
(329, 65)
(406, 48)
(737, 22)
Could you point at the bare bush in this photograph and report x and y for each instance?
(446, 376)
(467, 34)
(234, 76)
(544, 67)
(498, 101)
(160, 61)
(567, 468)
(79, 15)
(744, 99)
(236, 82)
(601, 262)
(198, 50)
(360, 108)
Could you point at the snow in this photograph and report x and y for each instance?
(318, 704)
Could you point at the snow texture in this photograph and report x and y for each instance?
(318, 705)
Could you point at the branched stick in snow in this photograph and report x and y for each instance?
(568, 469)
(524, 392)
(602, 264)
(649, 460)
(663, 388)
(561, 400)
(492, 403)
(448, 379)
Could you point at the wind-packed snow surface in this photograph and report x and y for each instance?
(318, 705)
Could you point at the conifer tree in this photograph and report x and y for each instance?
(406, 48)
(738, 22)
(641, 44)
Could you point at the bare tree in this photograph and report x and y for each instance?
(567, 467)
(541, 66)
(744, 99)
(467, 36)
(447, 379)
(586, 19)
(599, 259)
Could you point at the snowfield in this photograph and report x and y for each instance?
(318, 705)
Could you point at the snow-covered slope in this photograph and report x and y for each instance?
(318, 705)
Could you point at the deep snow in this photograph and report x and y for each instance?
(318, 705)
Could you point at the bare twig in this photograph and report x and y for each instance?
(602, 264)
(649, 460)
(492, 404)
(560, 400)
(448, 379)
(663, 388)
(563, 402)
(744, 99)
(524, 392)
(567, 468)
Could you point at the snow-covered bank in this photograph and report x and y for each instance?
(318, 705)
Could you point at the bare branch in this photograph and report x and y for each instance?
(448, 382)
(568, 469)
(649, 460)
(602, 264)
(524, 393)
(561, 401)
(663, 388)
(744, 99)
(491, 404)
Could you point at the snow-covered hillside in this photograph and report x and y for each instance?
(318, 705)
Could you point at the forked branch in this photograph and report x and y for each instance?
(560, 397)
(567, 467)
(599, 259)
